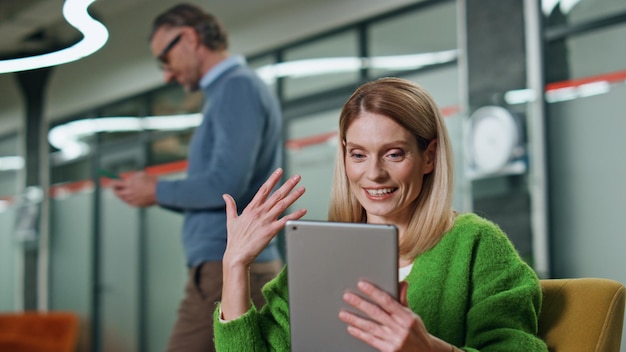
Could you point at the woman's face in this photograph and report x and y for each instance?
(385, 167)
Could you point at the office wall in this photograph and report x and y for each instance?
(71, 265)
(588, 195)
(11, 105)
(8, 261)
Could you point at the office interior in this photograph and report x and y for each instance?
(533, 93)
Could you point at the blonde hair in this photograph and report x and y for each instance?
(412, 107)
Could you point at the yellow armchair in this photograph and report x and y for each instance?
(585, 314)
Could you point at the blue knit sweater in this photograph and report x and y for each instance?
(472, 290)
(234, 150)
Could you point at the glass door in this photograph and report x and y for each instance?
(118, 260)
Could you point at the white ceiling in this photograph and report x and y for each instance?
(32, 26)
(37, 25)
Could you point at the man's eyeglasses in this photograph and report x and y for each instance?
(162, 57)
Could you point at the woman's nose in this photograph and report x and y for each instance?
(376, 169)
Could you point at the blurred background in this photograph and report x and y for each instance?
(533, 93)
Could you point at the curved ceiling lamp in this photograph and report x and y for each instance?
(565, 6)
(323, 66)
(69, 137)
(95, 35)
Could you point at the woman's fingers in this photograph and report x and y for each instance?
(358, 321)
(379, 306)
(271, 208)
(382, 299)
(277, 209)
(261, 219)
(292, 216)
(283, 198)
(363, 329)
(283, 192)
(375, 319)
(267, 187)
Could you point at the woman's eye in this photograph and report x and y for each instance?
(395, 155)
(357, 156)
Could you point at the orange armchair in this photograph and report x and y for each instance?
(585, 314)
(38, 331)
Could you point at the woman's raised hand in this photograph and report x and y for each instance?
(260, 221)
(249, 233)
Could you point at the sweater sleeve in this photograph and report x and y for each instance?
(258, 331)
(238, 120)
(506, 299)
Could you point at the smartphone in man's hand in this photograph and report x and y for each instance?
(109, 174)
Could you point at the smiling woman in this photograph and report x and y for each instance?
(466, 285)
(95, 35)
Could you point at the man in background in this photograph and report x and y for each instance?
(234, 150)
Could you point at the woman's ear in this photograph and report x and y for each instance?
(430, 154)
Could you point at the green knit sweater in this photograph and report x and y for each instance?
(472, 290)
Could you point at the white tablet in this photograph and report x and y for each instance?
(324, 259)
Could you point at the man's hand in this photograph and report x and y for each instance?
(139, 189)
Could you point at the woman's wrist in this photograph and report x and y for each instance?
(235, 261)
(235, 289)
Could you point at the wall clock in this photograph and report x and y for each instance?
(493, 139)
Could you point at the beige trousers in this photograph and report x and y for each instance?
(193, 329)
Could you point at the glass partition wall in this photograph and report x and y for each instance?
(586, 74)
(9, 245)
(585, 61)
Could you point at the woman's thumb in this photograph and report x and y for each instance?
(231, 206)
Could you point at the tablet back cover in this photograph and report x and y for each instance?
(324, 259)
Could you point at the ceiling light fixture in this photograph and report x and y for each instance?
(565, 6)
(331, 65)
(69, 137)
(95, 35)
(8, 163)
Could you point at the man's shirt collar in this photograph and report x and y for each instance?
(220, 68)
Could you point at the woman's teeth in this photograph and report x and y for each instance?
(380, 192)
